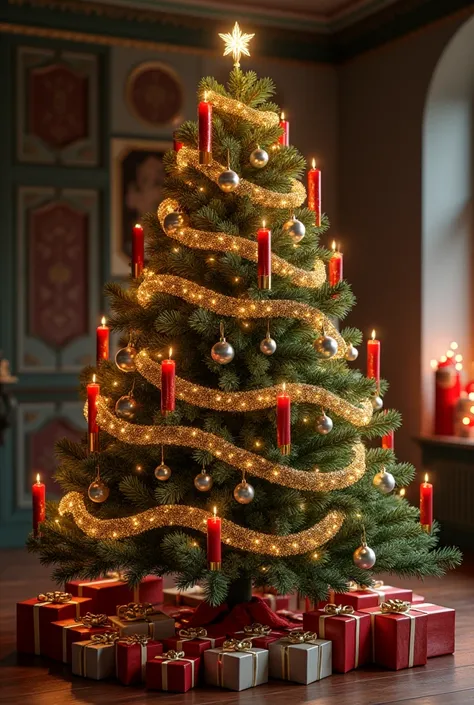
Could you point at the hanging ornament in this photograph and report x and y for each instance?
(268, 345)
(125, 358)
(295, 229)
(243, 492)
(351, 353)
(228, 180)
(384, 481)
(364, 557)
(325, 346)
(127, 406)
(324, 424)
(377, 403)
(173, 222)
(162, 471)
(98, 491)
(259, 158)
(203, 481)
(222, 352)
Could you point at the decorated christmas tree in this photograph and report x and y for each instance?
(233, 442)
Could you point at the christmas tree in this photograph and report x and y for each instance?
(245, 312)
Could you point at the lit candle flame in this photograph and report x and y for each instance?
(38, 481)
(333, 245)
(138, 225)
(102, 320)
(373, 334)
(214, 510)
(205, 95)
(264, 223)
(284, 386)
(170, 351)
(93, 378)
(282, 116)
(313, 163)
(426, 477)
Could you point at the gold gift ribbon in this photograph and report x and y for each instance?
(397, 607)
(169, 657)
(332, 610)
(235, 646)
(255, 630)
(89, 620)
(106, 639)
(298, 637)
(135, 611)
(50, 598)
(375, 587)
(112, 577)
(193, 633)
(131, 640)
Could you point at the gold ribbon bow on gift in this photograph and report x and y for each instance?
(256, 629)
(395, 606)
(333, 609)
(172, 655)
(193, 633)
(106, 639)
(355, 587)
(93, 620)
(117, 575)
(243, 646)
(237, 645)
(135, 611)
(132, 639)
(57, 597)
(298, 637)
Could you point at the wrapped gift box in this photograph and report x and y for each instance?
(107, 593)
(94, 658)
(193, 641)
(440, 629)
(236, 665)
(372, 597)
(349, 632)
(417, 599)
(67, 631)
(131, 656)
(300, 657)
(399, 635)
(143, 619)
(192, 597)
(260, 636)
(172, 671)
(34, 618)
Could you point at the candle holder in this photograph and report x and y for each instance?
(286, 449)
(93, 442)
(215, 565)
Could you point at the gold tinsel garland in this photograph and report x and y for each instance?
(195, 518)
(244, 460)
(271, 199)
(238, 308)
(221, 242)
(224, 104)
(256, 398)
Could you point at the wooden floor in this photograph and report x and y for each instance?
(447, 680)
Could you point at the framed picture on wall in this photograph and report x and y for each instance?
(137, 188)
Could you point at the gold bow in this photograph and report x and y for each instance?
(355, 587)
(193, 633)
(395, 607)
(56, 597)
(132, 639)
(135, 611)
(299, 637)
(236, 645)
(93, 620)
(257, 629)
(171, 655)
(331, 608)
(106, 638)
(117, 575)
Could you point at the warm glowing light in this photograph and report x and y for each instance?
(264, 223)
(139, 468)
(333, 246)
(93, 378)
(214, 511)
(471, 410)
(236, 44)
(102, 320)
(434, 364)
(466, 420)
(313, 163)
(471, 396)
(373, 334)
(454, 346)
(458, 358)
(38, 481)
(282, 116)
(402, 492)
(458, 366)
(170, 352)
(206, 93)
(449, 353)
(284, 386)
(443, 358)
(426, 477)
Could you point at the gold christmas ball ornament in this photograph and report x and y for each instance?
(259, 158)
(364, 557)
(162, 472)
(203, 481)
(173, 222)
(268, 346)
(295, 229)
(384, 481)
(126, 408)
(98, 491)
(228, 181)
(351, 353)
(125, 359)
(377, 403)
(244, 492)
(325, 347)
(324, 424)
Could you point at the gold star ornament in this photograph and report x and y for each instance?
(236, 44)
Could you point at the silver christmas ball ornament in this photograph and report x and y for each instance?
(244, 492)
(162, 472)
(173, 222)
(125, 359)
(364, 557)
(222, 352)
(377, 403)
(324, 424)
(384, 481)
(228, 181)
(259, 158)
(295, 229)
(203, 481)
(351, 353)
(98, 491)
(325, 347)
(268, 346)
(126, 408)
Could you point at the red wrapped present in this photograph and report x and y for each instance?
(259, 634)
(68, 631)
(172, 671)
(131, 654)
(349, 632)
(294, 618)
(106, 593)
(360, 597)
(193, 641)
(399, 635)
(137, 618)
(441, 628)
(34, 618)
(417, 599)
(192, 597)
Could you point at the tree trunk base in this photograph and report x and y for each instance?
(239, 591)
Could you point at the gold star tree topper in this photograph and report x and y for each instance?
(236, 44)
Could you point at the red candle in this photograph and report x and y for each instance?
(214, 544)
(314, 192)
(205, 131)
(138, 250)
(373, 358)
(388, 441)
(447, 393)
(103, 335)
(426, 505)
(264, 243)
(284, 422)
(39, 504)
(177, 145)
(335, 266)
(93, 391)
(168, 384)
(284, 139)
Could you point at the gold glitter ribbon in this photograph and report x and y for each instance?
(235, 646)
(397, 607)
(255, 630)
(193, 633)
(54, 598)
(170, 657)
(332, 610)
(231, 106)
(293, 638)
(134, 612)
(131, 640)
(49, 598)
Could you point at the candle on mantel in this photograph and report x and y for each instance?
(388, 441)
(314, 192)
(177, 145)
(284, 139)
(93, 391)
(214, 543)
(39, 504)
(168, 384)
(103, 336)
(205, 131)
(373, 359)
(138, 250)
(335, 266)
(264, 266)
(426, 505)
(284, 422)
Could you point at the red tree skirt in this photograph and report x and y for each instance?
(219, 620)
